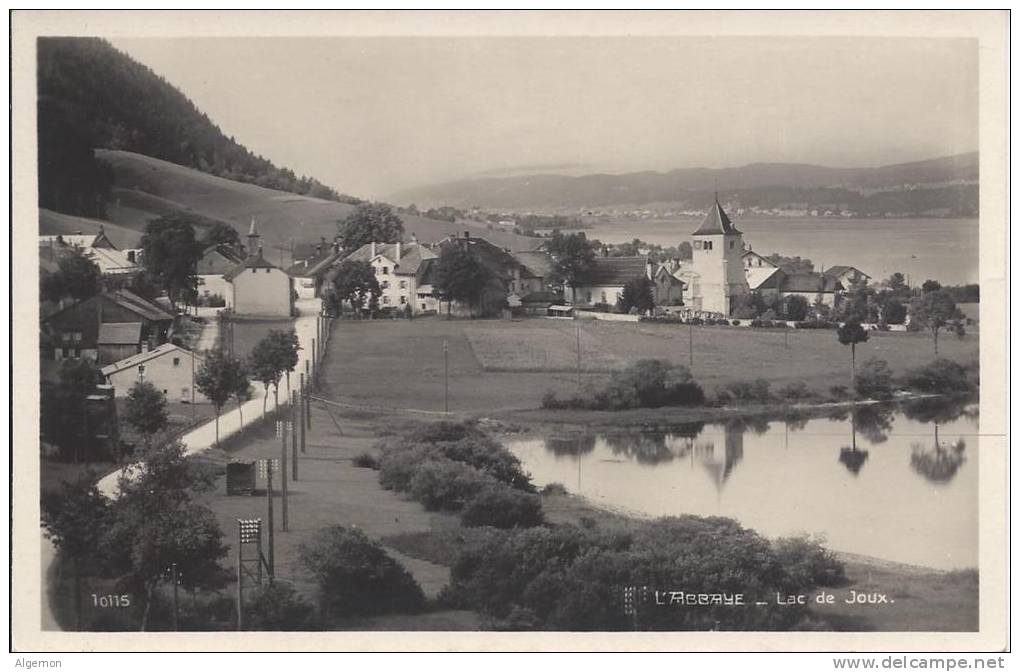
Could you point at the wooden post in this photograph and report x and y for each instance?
(578, 356)
(173, 578)
(293, 435)
(690, 346)
(269, 514)
(240, 580)
(304, 403)
(315, 365)
(446, 377)
(283, 467)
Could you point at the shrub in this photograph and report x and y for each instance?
(366, 461)
(742, 390)
(555, 488)
(279, 607)
(816, 324)
(874, 379)
(695, 321)
(502, 507)
(808, 562)
(941, 376)
(490, 457)
(356, 576)
(648, 383)
(551, 401)
(446, 485)
(794, 391)
(839, 392)
(735, 323)
(397, 466)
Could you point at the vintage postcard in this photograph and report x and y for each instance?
(509, 331)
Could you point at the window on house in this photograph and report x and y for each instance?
(66, 337)
(268, 269)
(732, 243)
(403, 300)
(403, 284)
(77, 337)
(177, 361)
(385, 284)
(385, 299)
(423, 306)
(385, 270)
(254, 270)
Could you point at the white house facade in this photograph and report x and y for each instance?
(170, 368)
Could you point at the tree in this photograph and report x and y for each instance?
(288, 346)
(929, 286)
(458, 275)
(637, 293)
(795, 308)
(170, 254)
(156, 523)
(222, 234)
(874, 381)
(355, 283)
(219, 378)
(370, 223)
(572, 256)
(77, 277)
(146, 409)
(857, 302)
(64, 414)
(242, 390)
(935, 310)
(75, 519)
(851, 333)
(267, 365)
(896, 282)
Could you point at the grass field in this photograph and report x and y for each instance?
(500, 365)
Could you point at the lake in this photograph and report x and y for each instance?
(898, 483)
(943, 249)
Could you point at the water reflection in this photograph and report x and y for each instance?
(907, 468)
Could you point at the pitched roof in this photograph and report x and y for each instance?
(752, 253)
(716, 222)
(142, 357)
(757, 276)
(836, 271)
(411, 255)
(537, 264)
(614, 271)
(74, 240)
(120, 333)
(810, 283)
(110, 260)
(315, 264)
(217, 260)
(253, 261)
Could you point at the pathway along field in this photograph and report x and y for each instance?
(499, 365)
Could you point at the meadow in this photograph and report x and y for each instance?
(498, 365)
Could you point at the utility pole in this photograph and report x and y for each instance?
(578, 334)
(446, 376)
(283, 467)
(690, 345)
(240, 576)
(314, 361)
(269, 514)
(191, 355)
(174, 580)
(304, 406)
(786, 338)
(293, 435)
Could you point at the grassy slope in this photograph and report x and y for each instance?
(52, 223)
(145, 188)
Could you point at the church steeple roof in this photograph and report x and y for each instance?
(716, 222)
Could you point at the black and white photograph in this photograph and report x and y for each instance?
(493, 325)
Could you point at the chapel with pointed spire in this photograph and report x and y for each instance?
(717, 268)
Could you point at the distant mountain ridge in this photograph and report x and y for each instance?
(690, 184)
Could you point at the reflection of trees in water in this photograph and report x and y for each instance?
(757, 424)
(579, 444)
(644, 448)
(852, 457)
(873, 421)
(940, 462)
(795, 420)
(940, 410)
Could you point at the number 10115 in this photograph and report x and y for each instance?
(107, 601)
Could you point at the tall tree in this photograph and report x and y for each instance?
(77, 276)
(572, 256)
(935, 310)
(170, 254)
(287, 345)
(356, 284)
(266, 367)
(851, 333)
(64, 411)
(242, 390)
(146, 410)
(370, 223)
(458, 275)
(219, 378)
(222, 234)
(75, 519)
(156, 523)
(637, 293)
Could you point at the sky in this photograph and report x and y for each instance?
(370, 116)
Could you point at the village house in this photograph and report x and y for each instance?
(605, 279)
(215, 263)
(77, 330)
(846, 275)
(256, 286)
(759, 271)
(170, 368)
(96, 247)
(813, 287)
(310, 274)
(396, 268)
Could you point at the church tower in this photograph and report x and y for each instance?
(718, 249)
(254, 246)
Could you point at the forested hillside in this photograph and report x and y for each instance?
(93, 96)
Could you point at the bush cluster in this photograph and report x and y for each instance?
(756, 391)
(455, 466)
(356, 576)
(573, 577)
(942, 376)
(874, 380)
(816, 324)
(648, 383)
